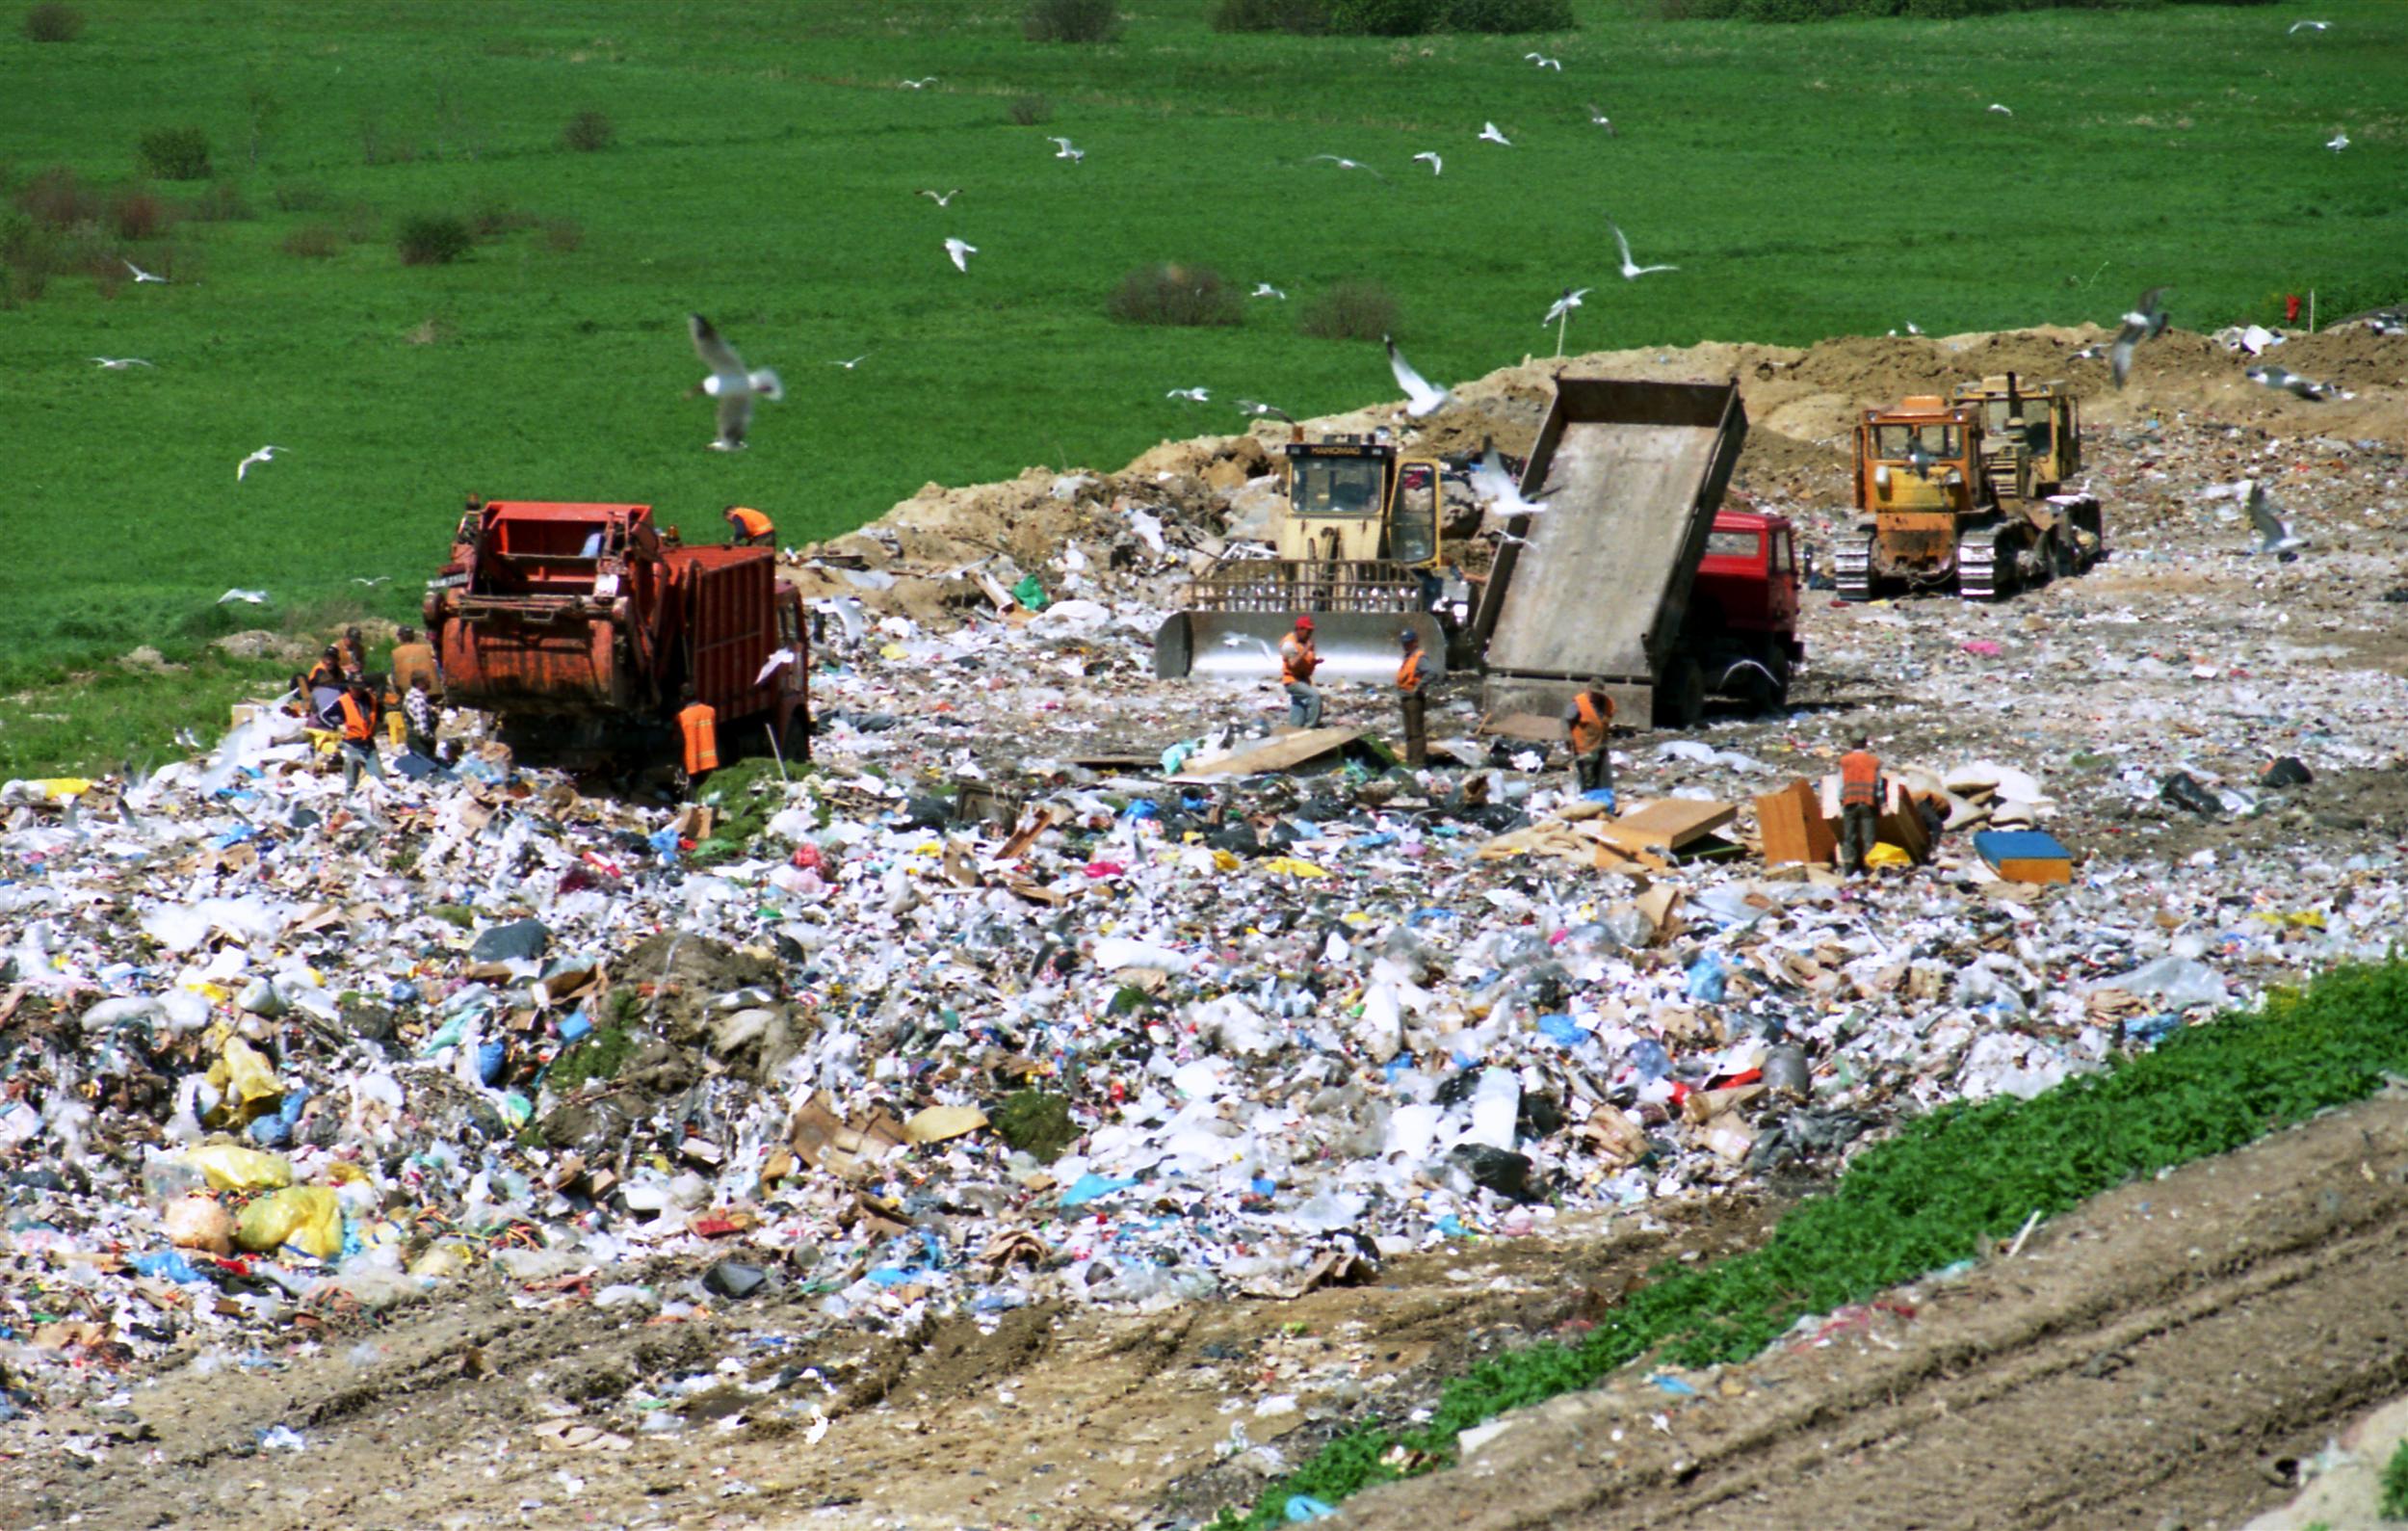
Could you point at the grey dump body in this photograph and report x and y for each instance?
(1632, 474)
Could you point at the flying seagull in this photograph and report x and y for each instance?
(2338, 143)
(1544, 62)
(1257, 409)
(120, 363)
(1494, 488)
(1597, 119)
(1192, 395)
(1488, 134)
(2307, 26)
(371, 583)
(266, 454)
(2273, 532)
(1631, 270)
(1420, 397)
(2003, 110)
(1346, 164)
(2145, 321)
(140, 276)
(1437, 166)
(255, 597)
(1559, 314)
(941, 199)
(1264, 289)
(854, 362)
(960, 252)
(731, 383)
(2290, 381)
(1067, 150)
(919, 84)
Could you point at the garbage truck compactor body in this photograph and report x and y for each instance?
(580, 627)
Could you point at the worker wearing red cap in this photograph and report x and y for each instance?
(1297, 663)
(752, 528)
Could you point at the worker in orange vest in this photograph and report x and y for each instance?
(1860, 804)
(752, 528)
(1297, 663)
(699, 724)
(360, 735)
(1588, 721)
(1412, 683)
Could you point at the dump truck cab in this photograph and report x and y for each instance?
(1748, 581)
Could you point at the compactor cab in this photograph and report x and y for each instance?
(2031, 434)
(1353, 498)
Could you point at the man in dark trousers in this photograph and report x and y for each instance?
(752, 528)
(1587, 721)
(1412, 694)
(1860, 804)
(698, 725)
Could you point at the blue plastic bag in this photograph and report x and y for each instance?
(1706, 977)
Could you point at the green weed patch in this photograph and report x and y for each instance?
(1940, 1191)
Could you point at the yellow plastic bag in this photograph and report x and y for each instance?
(232, 1167)
(308, 1217)
(242, 1077)
(1293, 866)
(444, 1258)
(56, 788)
(1884, 853)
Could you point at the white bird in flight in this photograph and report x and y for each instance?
(1544, 62)
(960, 252)
(266, 454)
(1192, 395)
(1420, 397)
(1067, 150)
(1597, 119)
(2145, 321)
(1495, 490)
(2338, 143)
(120, 363)
(1562, 306)
(1631, 271)
(1346, 164)
(2311, 26)
(1258, 409)
(854, 362)
(941, 199)
(1488, 134)
(919, 84)
(1264, 289)
(2002, 108)
(1437, 166)
(140, 275)
(2271, 376)
(734, 385)
(2274, 534)
(255, 597)
(370, 583)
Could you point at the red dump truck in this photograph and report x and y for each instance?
(579, 626)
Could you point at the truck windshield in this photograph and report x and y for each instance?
(1338, 485)
(1895, 443)
(1731, 544)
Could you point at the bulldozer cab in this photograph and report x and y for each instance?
(1922, 458)
(1351, 499)
(2031, 432)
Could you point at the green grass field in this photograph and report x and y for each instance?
(1808, 181)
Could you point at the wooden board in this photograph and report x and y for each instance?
(1282, 753)
(1790, 827)
(1668, 824)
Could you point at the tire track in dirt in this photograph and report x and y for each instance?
(2155, 1358)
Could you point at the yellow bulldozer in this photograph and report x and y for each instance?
(1969, 492)
(1356, 548)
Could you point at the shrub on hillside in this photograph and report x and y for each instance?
(1072, 21)
(492, 215)
(1507, 16)
(55, 199)
(301, 197)
(221, 203)
(1303, 17)
(588, 131)
(136, 213)
(313, 242)
(1351, 310)
(1029, 111)
(173, 153)
(1173, 294)
(51, 22)
(433, 239)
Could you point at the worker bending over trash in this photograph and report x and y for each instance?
(360, 735)
(1297, 663)
(752, 528)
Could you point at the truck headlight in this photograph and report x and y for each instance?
(1881, 478)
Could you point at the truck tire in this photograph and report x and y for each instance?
(1680, 696)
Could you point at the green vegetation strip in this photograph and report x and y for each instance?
(1938, 1192)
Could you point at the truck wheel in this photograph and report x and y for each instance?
(1681, 698)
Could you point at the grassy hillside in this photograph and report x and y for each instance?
(1807, 181)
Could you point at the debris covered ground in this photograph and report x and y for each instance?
(988, 1064)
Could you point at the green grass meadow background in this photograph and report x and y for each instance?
(1808, 181)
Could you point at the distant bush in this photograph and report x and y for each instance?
(1393, 18)
(313, 242)
(1029, 111)
(221, 203)
(433, 239)
(494, 216)
(588, 131)
(174, 153)
(1507, 16)
(135, 213)
(301, 197)
(1351, 310)
(1304, 17)
(1072, 21)
(51, 22)
(1173, 294)
(55, 199)
(561, 235)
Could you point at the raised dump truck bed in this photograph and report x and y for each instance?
(1632, 474)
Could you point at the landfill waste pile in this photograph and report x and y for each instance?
(1028, 993)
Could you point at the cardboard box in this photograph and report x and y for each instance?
(1792, 828)
(2025, 855)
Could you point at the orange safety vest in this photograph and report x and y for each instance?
(356, 725)
(752, 522)
(1409, 673)
(1297, 660)
(702, 737)
(1859, 779)
(1588, 728)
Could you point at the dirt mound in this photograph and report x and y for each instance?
(2354, 359)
